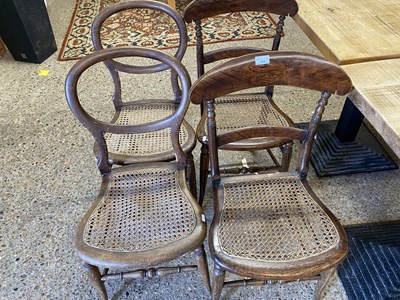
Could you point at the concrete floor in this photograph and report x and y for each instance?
(49, 178)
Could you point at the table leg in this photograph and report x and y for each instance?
(347, 146)
(349, 122)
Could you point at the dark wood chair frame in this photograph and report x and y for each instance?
(115, 68)
(144, 263)
(289, 69)
(195, 12)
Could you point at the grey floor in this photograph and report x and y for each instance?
(49, 179)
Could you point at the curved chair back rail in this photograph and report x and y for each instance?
(289, 133)
(109, 11)
(200, 9)
(229, 52)
(284, 68)
(98, 128)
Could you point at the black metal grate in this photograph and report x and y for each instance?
(372, 268)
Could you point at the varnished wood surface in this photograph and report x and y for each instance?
(348, 31)
(377, 95)
(284, 68)
(200, 9)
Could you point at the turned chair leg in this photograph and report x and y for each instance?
(204, 162)
(217, 282)
(322, 282)
(191, 175)
(95, 278)
(287, 150)
(201, 259)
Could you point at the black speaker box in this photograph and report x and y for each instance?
(26, 30)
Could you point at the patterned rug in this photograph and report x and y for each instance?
(136, 28)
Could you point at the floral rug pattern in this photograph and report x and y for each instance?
(137, 28)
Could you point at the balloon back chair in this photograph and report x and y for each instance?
(125, 148)
(245, 109)
(271, 227)
(144, 214)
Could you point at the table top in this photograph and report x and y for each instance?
(376, 94)
(352, 31)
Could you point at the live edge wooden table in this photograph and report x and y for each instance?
(363, 37)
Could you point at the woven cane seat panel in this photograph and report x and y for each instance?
(274, 220)
(140, 210)
(240, 111)
(144, 143)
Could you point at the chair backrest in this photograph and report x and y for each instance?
(201, 9)
(198, 10)
(263, 69)
(115, 67)
(98, 127)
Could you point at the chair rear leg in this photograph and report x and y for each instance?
(204, 163)
(269, 90)
(95, 278)
(287, 150)
(217, 282)
(203, 266)
(191, 175)
(322, 282)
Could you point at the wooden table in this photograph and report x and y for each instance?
(377, 95)
(350, 33)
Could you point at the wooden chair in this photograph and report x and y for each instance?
(144, 214)
(125, 149)
(271, 227)
(247, 109)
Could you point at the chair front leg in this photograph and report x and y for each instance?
(218, 279)
(202, 265)
(322, 282)
(95, 278)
